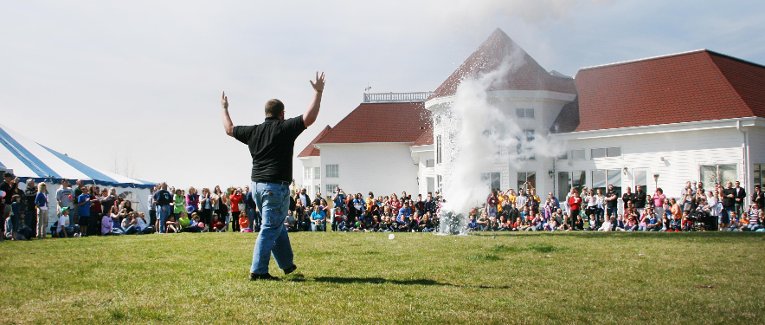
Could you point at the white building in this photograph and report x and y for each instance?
(375, 148)
(662, 121)
(695, 116)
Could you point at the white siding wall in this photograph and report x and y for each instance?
(683, 153)
(756, 145)
(308, 182)
(421, 154)
(382, 168)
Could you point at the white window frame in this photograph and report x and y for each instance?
(332, 170)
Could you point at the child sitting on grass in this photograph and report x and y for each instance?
(184, 222)
(653, 221)
(63, 222)
(607, 224)
(171, 225)
(195, 222)
(593, 223)
(578, 223)
(244, 223)
(217, 225)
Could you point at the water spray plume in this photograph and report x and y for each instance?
(482, 133)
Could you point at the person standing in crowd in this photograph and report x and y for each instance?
(491, 204)
(740, 198)
(339, 199)
(108, 199)
(235, 198)
(431, 205)
(96, 210)
(758, 197)
(8, 186)
(179, 203)
(83, 207)
(41, 202)
(304, 198)
(217, 198)
(164, 200)
(251, 209)
(205, 206)
(729, 199)
(612, 201)
(574, 204)
(192, 201)
(658, 202)
(152, 205)
(74, 213)
(640, 200)
(628, 196)
(271, 145)
(65, 196)
(31, 211)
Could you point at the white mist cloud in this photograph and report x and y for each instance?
(485, 134)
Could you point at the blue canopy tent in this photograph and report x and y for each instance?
(28, 159)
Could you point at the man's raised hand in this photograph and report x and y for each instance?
(224, 100)
(318, 84)
(313, 110)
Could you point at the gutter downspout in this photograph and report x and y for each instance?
(745, 154)
(555, 179)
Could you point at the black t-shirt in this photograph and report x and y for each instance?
(611, 204)
(640, 200)
(626, 197)
(163, 197)
(729, 201)
(271, 145)
(9, 191)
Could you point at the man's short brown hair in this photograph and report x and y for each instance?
(274, 108)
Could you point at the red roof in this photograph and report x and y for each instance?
(380, 122)
(426, 138)
(525, 74)
(694, 86)
(310, 150)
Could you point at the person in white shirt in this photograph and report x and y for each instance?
(141, 224)
(607, 224)
(63, 222)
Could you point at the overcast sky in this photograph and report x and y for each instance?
(135, 85)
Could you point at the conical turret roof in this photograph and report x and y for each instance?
(525, 74)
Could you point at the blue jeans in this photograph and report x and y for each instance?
(273, 201)
(164, 212)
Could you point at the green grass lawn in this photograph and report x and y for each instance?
(367, 278)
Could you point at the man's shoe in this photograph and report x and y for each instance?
(265, 276)
(291, 269)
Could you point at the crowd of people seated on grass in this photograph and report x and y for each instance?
(725, 208)
(359, 213)
(87, 210)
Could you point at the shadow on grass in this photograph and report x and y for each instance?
(377, 280)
